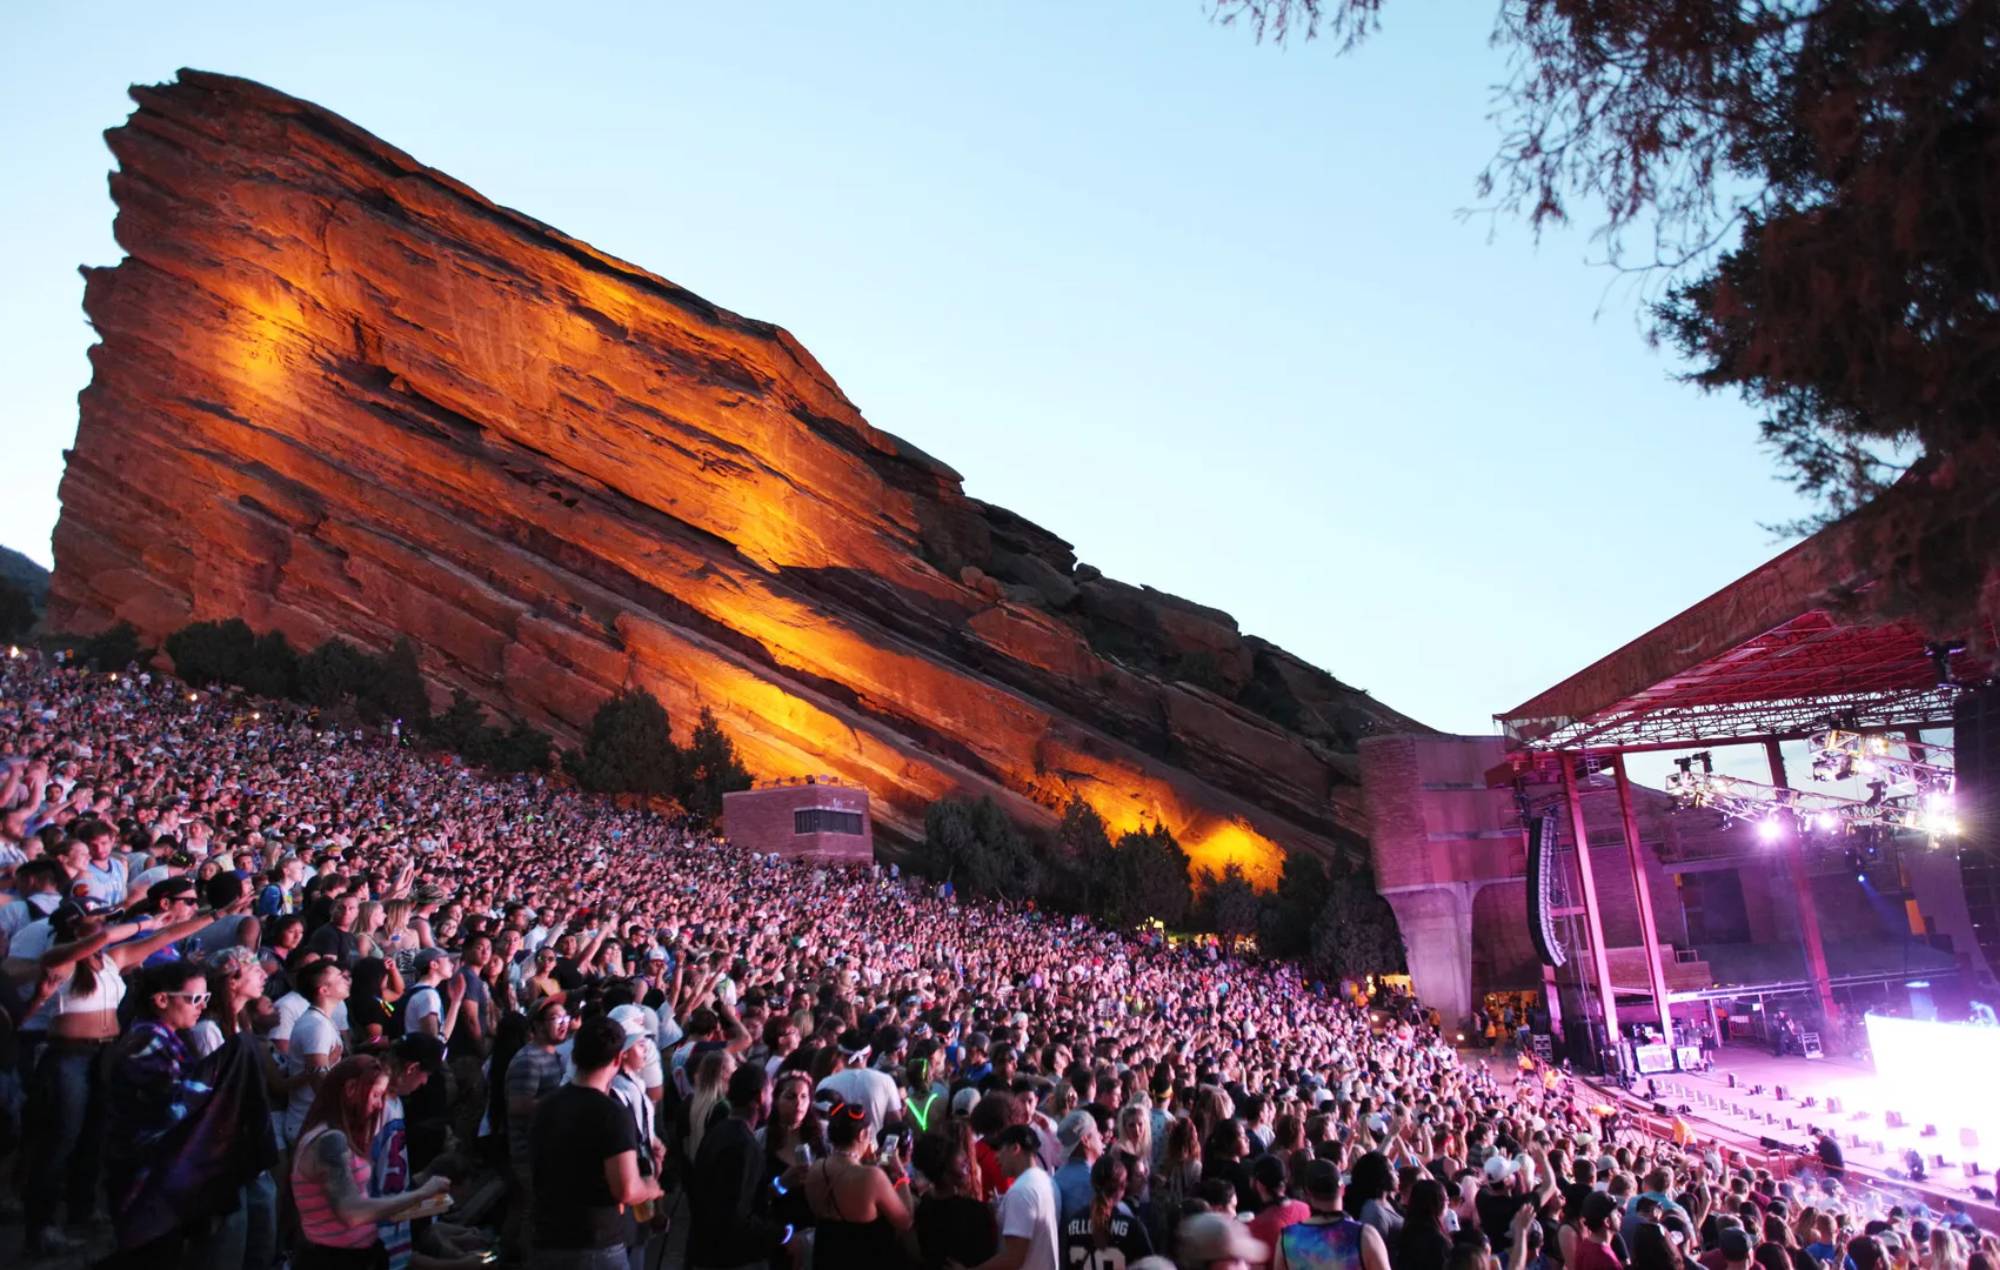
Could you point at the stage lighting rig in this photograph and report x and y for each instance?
(1777, 811)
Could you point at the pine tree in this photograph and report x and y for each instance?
(1285, 924)
(396, 691)
(709, 768)
(629, 748)
(1150, 879)
(334, 673)
(1356, 933)
(1231, 905)
(207, 653)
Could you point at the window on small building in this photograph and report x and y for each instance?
(825, 820)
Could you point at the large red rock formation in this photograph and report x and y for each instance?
(340, 393)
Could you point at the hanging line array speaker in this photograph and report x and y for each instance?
(1542, 867)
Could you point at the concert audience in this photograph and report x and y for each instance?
(616, 1043)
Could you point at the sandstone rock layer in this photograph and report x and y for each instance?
(338, 392)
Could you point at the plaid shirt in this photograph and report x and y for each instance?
(151, 1088)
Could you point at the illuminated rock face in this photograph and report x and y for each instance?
(340, 393)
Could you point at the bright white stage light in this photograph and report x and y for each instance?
(1938, 1073)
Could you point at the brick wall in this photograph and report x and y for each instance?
(764, 820)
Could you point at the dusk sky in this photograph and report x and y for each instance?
(1203, 308)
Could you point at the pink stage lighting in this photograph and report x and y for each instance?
(1770, 828)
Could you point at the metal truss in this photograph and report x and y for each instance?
(1659, 726)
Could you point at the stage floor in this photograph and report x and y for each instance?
(1864, 1098)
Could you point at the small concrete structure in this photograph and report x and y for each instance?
(810, 818)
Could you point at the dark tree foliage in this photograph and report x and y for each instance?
(462, 726)
(113, 649)
(1149, 879)
(334, 674)
(1084, 858)
(208, 653)
(978, 849)
(272, 669)
(1356, 933)
(629, 748)
(1285, 923)
(1814, 185)
(521, 748)
(398, 689)
(1230, 905)
(462, 729)
(709, 768)
(17, 611)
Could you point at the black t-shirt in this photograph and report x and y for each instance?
(958, 1228)
(1496, 1215)
(336, 944)
(1129, 1242)
(575, 1130)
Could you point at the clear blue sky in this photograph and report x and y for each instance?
(1201, 307)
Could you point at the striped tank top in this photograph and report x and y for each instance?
(317, 1219)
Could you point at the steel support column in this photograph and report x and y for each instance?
(1656, 974)
(1795, 863)
(1600, 961)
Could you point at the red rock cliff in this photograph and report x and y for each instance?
(340, 393)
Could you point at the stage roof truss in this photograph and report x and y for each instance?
(1693, 725)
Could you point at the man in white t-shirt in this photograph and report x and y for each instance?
(1028, 1236)
(873, 1091)
(317, 1043)
(426, 1012)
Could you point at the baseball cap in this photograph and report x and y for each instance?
(964, 1101)
(1498, 1168)
(428, 957)
(633, 1020)
(1076, 1129)
(1209, 1237)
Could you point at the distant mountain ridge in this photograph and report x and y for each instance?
(26, 574)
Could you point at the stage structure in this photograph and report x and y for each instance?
(1768, 660)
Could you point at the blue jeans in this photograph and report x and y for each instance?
(612, 1258)
(65, 1134)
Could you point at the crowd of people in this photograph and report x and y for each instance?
(279, 990)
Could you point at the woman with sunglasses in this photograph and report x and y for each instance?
(151, 1087)
(64, 1130)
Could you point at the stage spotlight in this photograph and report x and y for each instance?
(1824, 822)
(1770, 828)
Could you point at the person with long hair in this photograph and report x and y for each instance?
(861, 1219)
(338, 1222)
(371, 1004)
(63, 1134)
(1134, 1141)
(1422, 1243)
(953, 1221)
(1653, 1250)
(151, 1087)
(708, 1104)
(1107, 1236)
(1370, 1196)
(1178, 1179)
(794, 1135)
